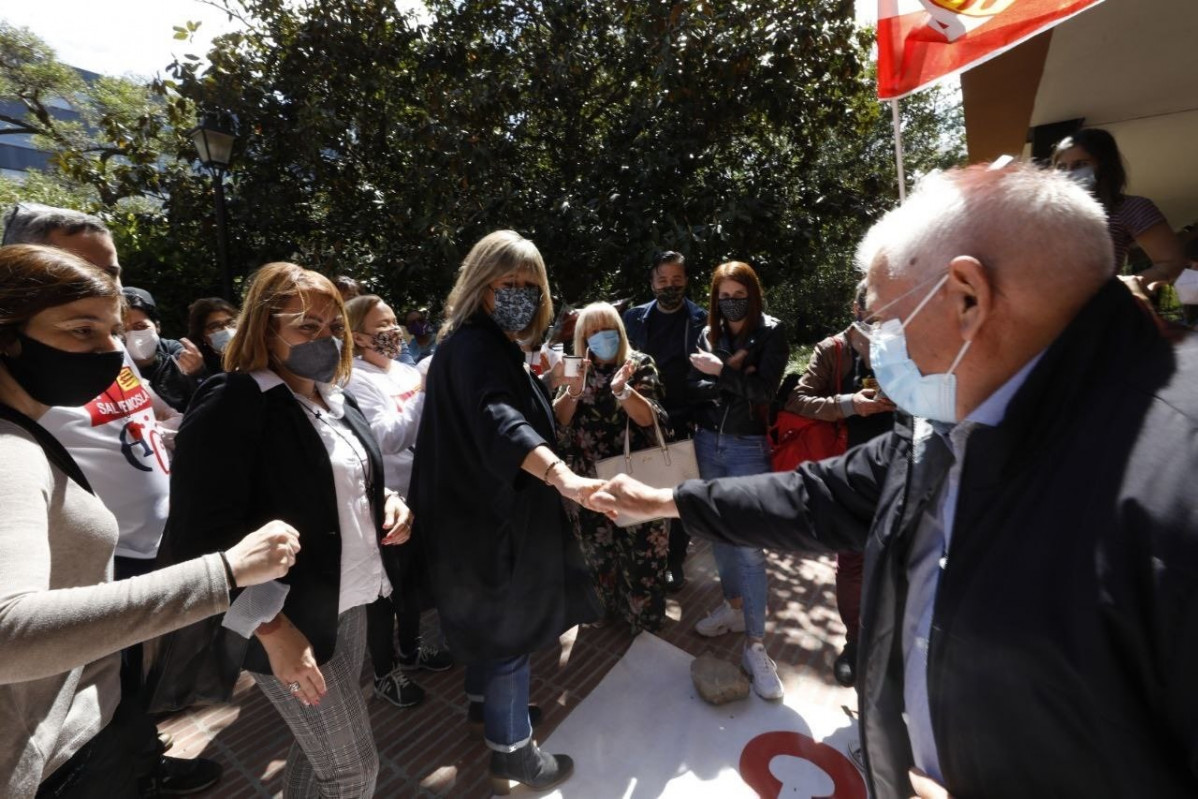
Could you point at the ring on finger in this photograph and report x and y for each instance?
(293, 687)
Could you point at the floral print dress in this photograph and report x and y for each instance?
(629, 564)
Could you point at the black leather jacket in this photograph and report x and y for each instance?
(736, 401)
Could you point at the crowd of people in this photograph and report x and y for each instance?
(318, 476)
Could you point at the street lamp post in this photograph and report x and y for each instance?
(213, 139)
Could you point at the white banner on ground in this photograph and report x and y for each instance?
(645, 733)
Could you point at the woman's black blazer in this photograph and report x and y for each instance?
(243, 457)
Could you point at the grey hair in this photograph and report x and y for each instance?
(1017, 216)
(33, 223)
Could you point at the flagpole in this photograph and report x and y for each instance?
(898, 149)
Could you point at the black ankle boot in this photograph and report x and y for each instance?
(530, 766)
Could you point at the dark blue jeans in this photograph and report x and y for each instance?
(502, 687)
(742, 569)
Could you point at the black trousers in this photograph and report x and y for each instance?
(102, 769)
(131, 718)
(396, 616)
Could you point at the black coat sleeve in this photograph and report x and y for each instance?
(213, 471)
(491, 401)
(827, 505)
(760, 384)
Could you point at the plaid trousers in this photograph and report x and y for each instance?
(333, 755)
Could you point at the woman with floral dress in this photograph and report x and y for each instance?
(617, 389)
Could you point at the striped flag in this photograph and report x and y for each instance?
(921, 41)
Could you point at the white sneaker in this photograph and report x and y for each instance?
(724, 619)
(762, 672)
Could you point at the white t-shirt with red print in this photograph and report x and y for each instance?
(116, 442)
(391, 401)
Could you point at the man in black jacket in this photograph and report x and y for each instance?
(1030, 609)
(668, 329)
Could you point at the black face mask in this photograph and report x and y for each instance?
(316, 360)
(734, 308)
(57, 377)
(670, 297)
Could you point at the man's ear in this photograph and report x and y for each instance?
(969, 285)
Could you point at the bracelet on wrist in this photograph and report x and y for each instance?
(623, 395)
(571, 395)
(550, 468)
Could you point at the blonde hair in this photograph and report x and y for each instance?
(494, 256)
(271, 288)
(599, 316)
(356, 311)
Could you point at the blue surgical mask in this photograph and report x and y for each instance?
(604, 344)
(929, 396)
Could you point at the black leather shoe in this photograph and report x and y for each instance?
(529, 766)
(178, 777)
(675, 581)
(475, 715)
(844, 668)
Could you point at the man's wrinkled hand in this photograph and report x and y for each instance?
(633, 499)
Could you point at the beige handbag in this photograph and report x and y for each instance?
(663, 466)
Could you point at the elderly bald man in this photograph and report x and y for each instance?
(1030, 528)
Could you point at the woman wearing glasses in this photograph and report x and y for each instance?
(211, 323)
(276, 437)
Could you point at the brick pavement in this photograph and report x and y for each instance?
(429, 751)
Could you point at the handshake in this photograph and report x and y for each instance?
(622, 496)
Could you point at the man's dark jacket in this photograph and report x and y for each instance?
(1063, 658)
(636, 325)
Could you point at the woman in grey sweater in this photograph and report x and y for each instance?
(62, 618)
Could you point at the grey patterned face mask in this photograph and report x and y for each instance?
(734, 308)
(515, 307)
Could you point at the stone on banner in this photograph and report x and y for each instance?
(718, 681)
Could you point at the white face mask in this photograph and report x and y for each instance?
(929, 396)
(221, 338)
(141, 344)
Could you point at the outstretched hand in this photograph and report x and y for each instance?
(578, 489)
(632, 498)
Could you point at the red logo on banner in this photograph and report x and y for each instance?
(756, 756)
(920, 41)
(123, 398)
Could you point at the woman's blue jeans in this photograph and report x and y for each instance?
(502, 687)
(742, 569)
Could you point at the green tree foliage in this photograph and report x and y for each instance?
(383, 145)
